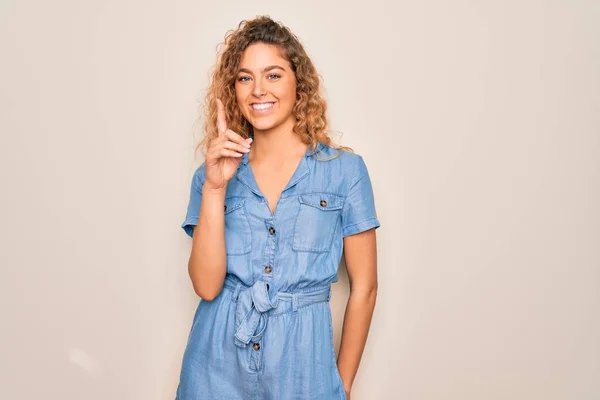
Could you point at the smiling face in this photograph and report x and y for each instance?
(265, 87)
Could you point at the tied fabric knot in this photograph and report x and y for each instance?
(250, 317)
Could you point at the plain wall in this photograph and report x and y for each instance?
(480, 126)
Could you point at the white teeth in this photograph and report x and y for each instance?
(262, 106)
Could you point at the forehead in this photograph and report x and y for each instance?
(259, 55)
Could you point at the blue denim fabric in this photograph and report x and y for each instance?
(268, 334)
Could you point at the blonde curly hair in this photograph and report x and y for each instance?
(310, 110)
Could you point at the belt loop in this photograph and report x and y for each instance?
(236, 292)
(294, 302)
(329, 293)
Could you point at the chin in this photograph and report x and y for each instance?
(265, 125)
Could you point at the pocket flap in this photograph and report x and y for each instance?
(322, 201)
(233, 203)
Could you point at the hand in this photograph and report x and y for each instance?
(224, 153)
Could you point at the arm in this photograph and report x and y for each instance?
(208, 260)
(359, 223)
(205, 219)
(360, 254)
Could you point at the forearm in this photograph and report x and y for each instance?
(357, 320)
(208, 260)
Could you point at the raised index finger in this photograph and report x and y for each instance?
(221, 121)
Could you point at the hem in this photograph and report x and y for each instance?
(360, 227)
(188, 226)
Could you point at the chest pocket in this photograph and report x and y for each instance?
(317, 221)
(237, 227)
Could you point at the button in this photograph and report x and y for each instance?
(268, 269)
(225, 207)
(256, 346)
(272, 230)
(323, 203)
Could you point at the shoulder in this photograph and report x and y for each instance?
(351, 164)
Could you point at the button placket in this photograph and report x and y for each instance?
(269, 253)
(255, 357)
(267, 276)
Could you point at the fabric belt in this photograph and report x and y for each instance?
(253, 303)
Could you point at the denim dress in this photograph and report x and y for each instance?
(268, 334)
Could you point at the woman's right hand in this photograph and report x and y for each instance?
(224, 153)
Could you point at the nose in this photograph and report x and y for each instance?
(258, 89)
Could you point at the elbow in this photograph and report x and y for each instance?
(207, 278)
(205, 286)
(207, 294)
(205, 297)
(372, 294)
(374, 289)
(367, 294)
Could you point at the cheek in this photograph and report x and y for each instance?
(239, 98)
(238, 94)
(288, 94)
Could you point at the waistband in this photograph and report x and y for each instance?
(254, 302)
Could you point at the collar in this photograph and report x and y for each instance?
(309, 152)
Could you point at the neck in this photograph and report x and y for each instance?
(277, 144)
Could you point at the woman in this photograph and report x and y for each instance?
(271, 209)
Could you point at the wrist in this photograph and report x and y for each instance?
(217, 192)
(347, 385)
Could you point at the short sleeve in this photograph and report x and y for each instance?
(358, 212)
(193, 209)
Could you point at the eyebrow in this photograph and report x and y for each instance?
(265, 69)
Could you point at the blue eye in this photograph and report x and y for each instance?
(242, 78)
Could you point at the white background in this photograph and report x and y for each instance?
(480, 126)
